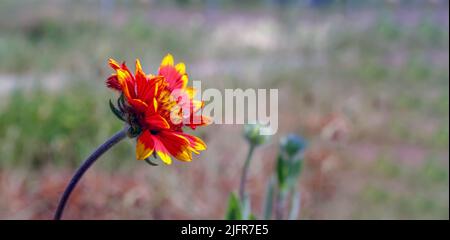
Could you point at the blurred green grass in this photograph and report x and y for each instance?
(59, 129)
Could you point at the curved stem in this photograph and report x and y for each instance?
(84, 167)
(245, 171)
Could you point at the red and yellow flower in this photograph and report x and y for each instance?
(157, 107)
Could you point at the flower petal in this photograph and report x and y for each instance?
(196, 105)
(155, 121)
(197, 120)
(142, 85)
(126, 81)
(191, 92)
(167, 60)
(138, 104)
(196, 143)
(144, 146)
(176, 144)
(184, 81)
(175, 76)
(113, 82)
(164, 157)
(113, 64)
(153, 86)
(181, 68)
(161, 151)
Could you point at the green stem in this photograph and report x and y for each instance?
(280, 204)
(84, 167)
(245, 172)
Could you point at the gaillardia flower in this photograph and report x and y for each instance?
(157, 107)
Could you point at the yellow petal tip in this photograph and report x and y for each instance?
(181, 68)
(164, 157)
(142, 152)
(167, 60)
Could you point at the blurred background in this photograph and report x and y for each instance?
(365, 82)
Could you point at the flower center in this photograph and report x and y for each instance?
(154, 132)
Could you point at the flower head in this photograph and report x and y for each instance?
(157, 107)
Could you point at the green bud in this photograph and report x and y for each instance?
(290, 160)
(293, 145)
(253, 136)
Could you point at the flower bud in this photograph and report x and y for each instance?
(290, 160)
(252, 134)
(292, 145)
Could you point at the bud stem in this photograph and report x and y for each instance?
(245, 171)
(280, 204)
(85, 166)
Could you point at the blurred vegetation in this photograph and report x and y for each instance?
(60, 129)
